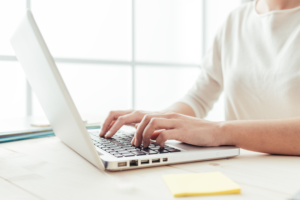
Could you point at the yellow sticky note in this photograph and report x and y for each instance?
(200, 184)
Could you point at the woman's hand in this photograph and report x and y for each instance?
(116, 119)
(179, 127)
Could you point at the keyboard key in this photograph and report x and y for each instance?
(123, 152)
(173, 150)
(168, 147)
(112, 145)
(155, 148)
(118, 155)
(163, 151)
(104, 142)
(95, 137)
(118, 148)
(136, 152)
(141, 154)
(128, 155)
(152, 152)
(149, 151)
(129, 148)
(121, 147)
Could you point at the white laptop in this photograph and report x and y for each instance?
(106, 154)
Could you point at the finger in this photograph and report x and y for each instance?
(154, 124)
(142, 126)
(166, 135)
(111, 124)
(133, 141)
(122, 120)
(111, 116)
(155, 134)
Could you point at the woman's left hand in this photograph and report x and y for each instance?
(179, 127)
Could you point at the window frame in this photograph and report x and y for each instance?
(133, 63)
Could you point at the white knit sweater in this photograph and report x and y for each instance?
(255, 60)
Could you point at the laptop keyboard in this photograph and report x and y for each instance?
(120, 145)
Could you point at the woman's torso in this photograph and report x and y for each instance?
(261, 64)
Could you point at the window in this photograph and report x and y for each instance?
(12, 80)
(116, 54)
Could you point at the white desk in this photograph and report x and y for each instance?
(45, 168)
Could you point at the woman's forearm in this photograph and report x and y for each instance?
(268, 136)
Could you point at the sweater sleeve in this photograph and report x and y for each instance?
(209, 85)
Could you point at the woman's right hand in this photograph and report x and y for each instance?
(116, 119)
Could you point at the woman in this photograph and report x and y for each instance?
(255, 60)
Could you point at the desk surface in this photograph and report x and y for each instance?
(45, 168)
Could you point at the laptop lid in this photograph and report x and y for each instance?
(50, 89)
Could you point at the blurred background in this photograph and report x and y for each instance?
(114, 54)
